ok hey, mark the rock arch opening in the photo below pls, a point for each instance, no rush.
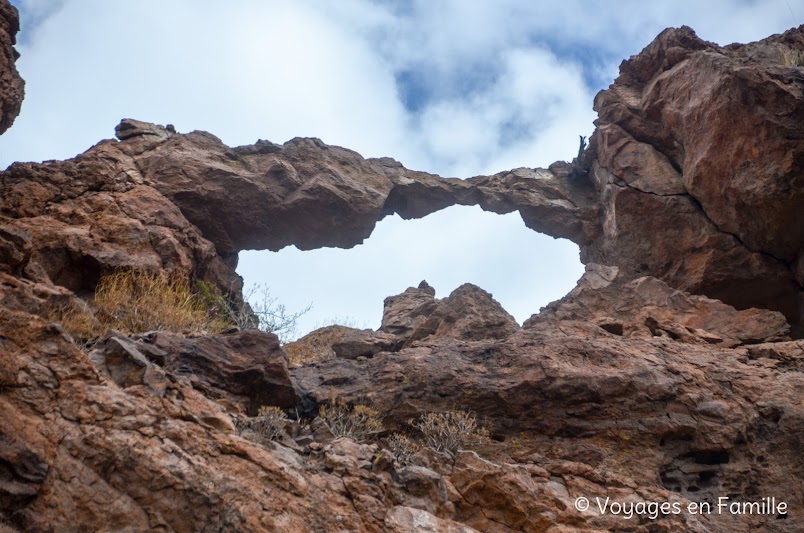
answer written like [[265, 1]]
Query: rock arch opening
[[523, 269]]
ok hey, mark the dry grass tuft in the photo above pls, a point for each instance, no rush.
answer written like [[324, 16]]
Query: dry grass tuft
[[790, 57], [77, 318], [133, 301]]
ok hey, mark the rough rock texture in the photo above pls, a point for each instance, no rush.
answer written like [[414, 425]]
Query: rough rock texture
[[12, 87], [244, 368], [405, 313], [72, 222], [630, 413], [649, 307], [468, 313], [672, 185], [630, 388], [306, 193], [700, 169]]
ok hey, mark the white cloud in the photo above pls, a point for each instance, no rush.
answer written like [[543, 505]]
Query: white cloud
[[242, 71], [496, 85]]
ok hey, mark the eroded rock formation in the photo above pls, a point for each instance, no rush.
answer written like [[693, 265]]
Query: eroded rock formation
[[631, 387], [700, 169], [672, 185], [12, 88]]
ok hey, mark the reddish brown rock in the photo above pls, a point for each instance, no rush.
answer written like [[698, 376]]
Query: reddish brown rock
[[309, 194], [630, 388], [649, 307], [363, 343], [667, 188], [72, 222], [700, 153], [405, 313], [402, 519], [652, 409], [468, 313], [12, 87], [15, 249], [246, 368], [642, 203]]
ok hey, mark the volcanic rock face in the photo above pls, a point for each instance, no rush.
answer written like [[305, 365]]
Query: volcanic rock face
[[700, 169], [672, 186], [648, 307], [468, 313], [11, 85], [72, 222], [631, 388]]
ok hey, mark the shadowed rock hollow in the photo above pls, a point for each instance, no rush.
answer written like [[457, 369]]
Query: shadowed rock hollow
[[670, 373]]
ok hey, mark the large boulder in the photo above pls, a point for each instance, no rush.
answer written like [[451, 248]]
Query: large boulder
[[700, 158], [248, 365]]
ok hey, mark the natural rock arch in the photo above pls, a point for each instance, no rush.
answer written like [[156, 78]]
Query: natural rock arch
[[523, 269]]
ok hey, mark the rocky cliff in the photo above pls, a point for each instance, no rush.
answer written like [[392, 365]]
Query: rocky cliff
[[11, 84], [671, 373]]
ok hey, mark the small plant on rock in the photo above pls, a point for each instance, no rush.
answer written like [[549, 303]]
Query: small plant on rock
[[257, 310], [358, 422], [450, 431], [403, 448], [267, 426], [135, 301]]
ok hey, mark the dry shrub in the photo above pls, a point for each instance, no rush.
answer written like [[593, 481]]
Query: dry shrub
[[256, 310], [358, 422], [790, 57], [267, 426], [77, 318], [134, 301], [403, 448], [449, 432]]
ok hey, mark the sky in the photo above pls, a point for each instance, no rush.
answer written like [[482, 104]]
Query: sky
[[446, 86]]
